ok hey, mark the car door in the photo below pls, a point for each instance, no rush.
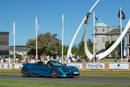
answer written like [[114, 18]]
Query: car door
[[43, 70]]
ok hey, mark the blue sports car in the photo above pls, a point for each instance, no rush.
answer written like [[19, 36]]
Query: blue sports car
[[52, 69]]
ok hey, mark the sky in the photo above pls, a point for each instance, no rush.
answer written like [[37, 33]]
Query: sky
[[49, 13]]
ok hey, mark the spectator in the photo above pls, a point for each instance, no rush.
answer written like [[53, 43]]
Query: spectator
[[40, 62], [45, 61], [2, 60], [81, 58], [116, 59], [9, 60], [78, 59], [87, 59], [69, 59], [19, 60], [33, 60], [73, 59], [129, 60]]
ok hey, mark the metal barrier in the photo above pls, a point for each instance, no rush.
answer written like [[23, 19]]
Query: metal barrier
[[82, 66]]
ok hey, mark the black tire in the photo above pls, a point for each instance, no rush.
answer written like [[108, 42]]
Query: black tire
[[71, 76], [54, 73], [25, 72]]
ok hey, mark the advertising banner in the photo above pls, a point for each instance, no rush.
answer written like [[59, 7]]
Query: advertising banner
[[79, 66], [95, 66], [17, 66], [118, 66], [6, 66]]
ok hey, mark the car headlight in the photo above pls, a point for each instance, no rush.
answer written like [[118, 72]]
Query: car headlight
[[65, 70]]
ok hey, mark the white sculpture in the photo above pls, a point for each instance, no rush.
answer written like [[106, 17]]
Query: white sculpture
[[87, 52], [71, 44], [108, 51]]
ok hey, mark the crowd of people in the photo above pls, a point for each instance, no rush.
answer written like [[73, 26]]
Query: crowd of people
[[45, 59]]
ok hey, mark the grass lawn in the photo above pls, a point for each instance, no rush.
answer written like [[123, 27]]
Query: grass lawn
[[106, 74], [21, 83], [9, 72]]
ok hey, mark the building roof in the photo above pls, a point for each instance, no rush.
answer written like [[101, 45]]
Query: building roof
[[101, 24], [115, 31]]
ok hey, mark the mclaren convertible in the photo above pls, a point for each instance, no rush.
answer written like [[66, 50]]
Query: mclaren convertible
[[52, 69]]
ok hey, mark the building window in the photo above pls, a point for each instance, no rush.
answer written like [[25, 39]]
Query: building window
[[129, 38], [103, 39], [103, 30], [110, 39], [95, 29]]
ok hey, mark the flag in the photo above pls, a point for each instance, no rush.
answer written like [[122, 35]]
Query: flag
[[97, 19], [121, 14]]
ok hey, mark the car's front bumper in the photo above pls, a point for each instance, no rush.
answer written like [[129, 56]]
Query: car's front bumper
[[70, 74]]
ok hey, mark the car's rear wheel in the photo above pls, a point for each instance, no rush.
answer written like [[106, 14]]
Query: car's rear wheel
[[54, 73], [25, 72]]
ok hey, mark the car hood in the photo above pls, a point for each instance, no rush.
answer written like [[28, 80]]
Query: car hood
[[70, 68]]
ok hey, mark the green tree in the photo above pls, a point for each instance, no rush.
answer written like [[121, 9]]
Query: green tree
[[90, 45], [48, 44], [80, 49], [107, 45], [60, 50]]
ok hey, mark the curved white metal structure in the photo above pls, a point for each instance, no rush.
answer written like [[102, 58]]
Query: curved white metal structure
[[87, 52], [109, 50], [69, 53]]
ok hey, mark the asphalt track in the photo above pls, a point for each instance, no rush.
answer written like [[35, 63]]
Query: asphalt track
[[77, 79]]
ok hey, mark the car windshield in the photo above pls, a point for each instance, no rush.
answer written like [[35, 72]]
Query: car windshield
[[56, 63]]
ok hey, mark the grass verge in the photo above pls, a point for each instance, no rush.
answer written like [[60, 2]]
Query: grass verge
[[9, 72], [21, 83], [106, 74]]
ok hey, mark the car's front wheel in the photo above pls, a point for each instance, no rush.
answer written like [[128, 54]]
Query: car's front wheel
[[54, 73], [25, 72]]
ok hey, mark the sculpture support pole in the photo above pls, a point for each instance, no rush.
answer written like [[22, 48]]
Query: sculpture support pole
[[62, 37], [14, 40], [120, 33], [36, 21], [94, 34]]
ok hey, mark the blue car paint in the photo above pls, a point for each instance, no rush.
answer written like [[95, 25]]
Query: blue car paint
[[71, 71], [45, 70]]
